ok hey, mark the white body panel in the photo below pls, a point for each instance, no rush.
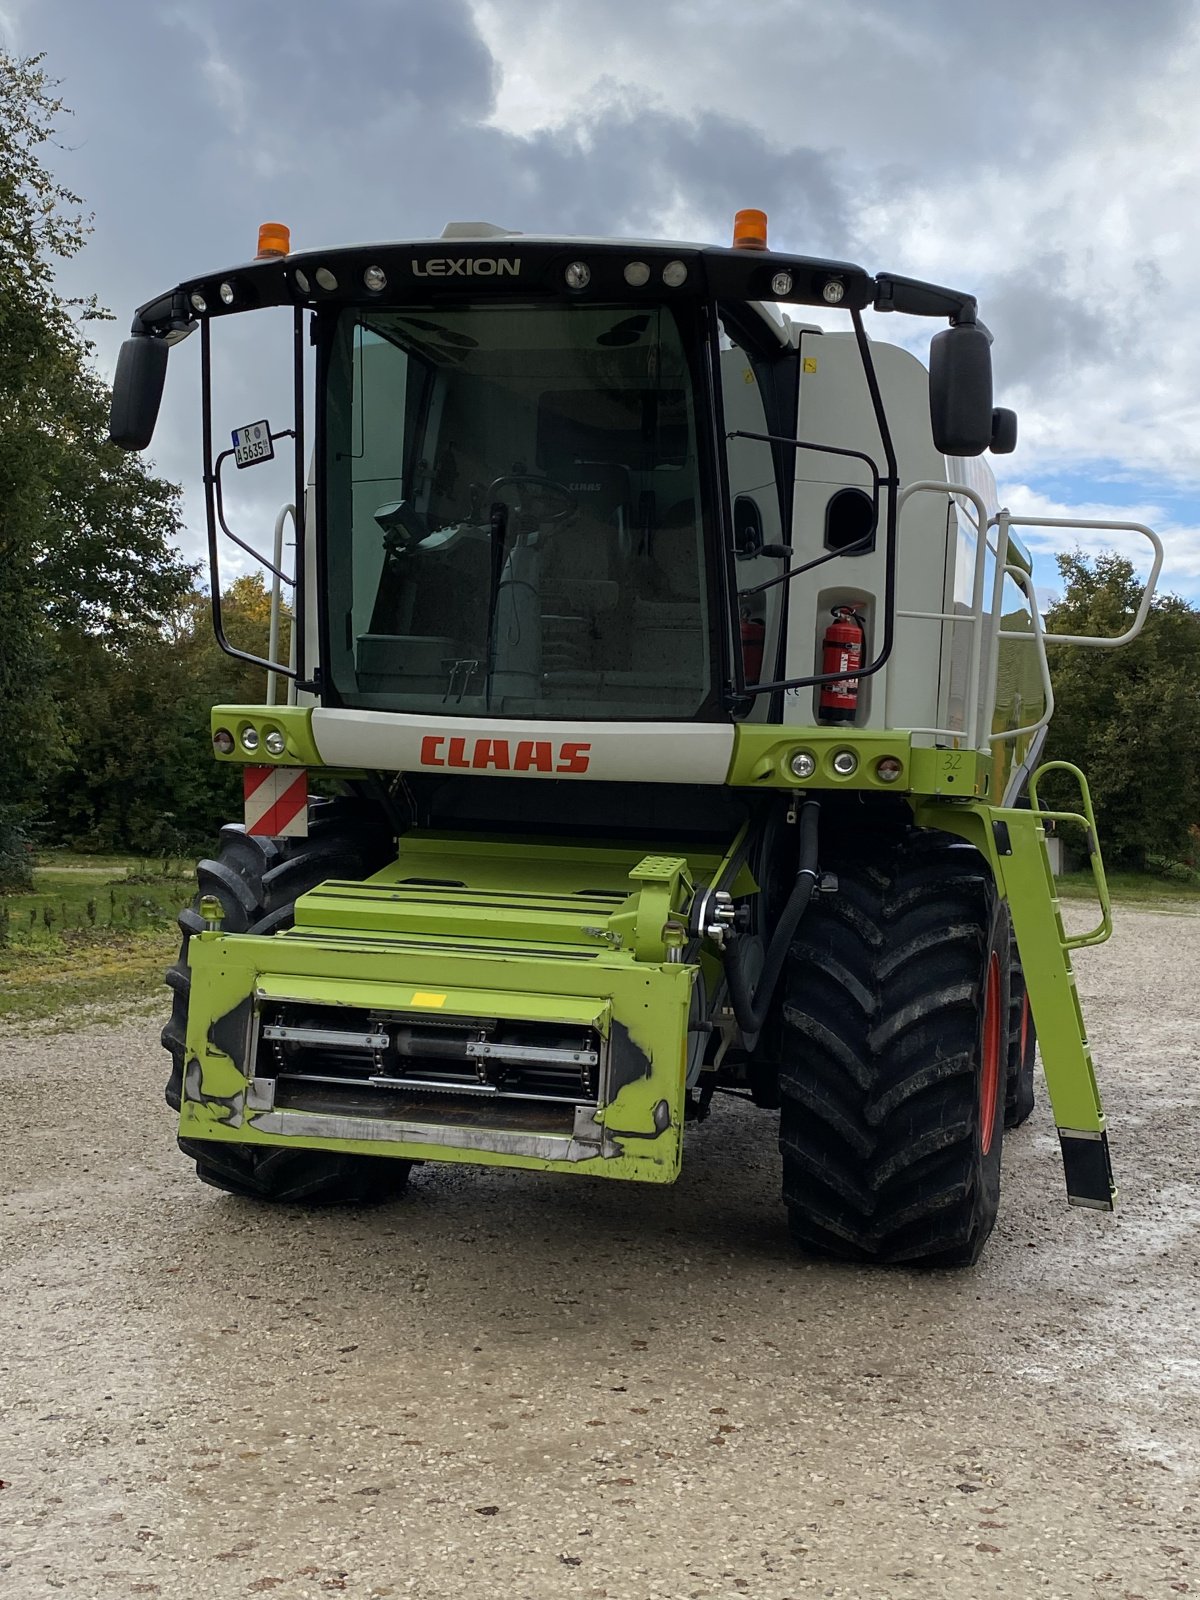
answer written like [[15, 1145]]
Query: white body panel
[[835, 409], [619, 752]]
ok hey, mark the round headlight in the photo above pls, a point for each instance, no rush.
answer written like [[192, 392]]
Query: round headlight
[[275, 742], [675, 274], [637, 273], [888, 769], [833, 291], [302, 282], [199, 303], [249, 738], [781, 283], [803, 764], [326, 279], [375, 278], [226, 293], [578, 275], [844, 763], [223, 741]]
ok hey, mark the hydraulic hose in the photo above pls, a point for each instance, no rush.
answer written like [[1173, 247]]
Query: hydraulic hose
[[751, 1010]]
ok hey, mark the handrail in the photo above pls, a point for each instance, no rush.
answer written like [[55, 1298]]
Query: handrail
[[974, 617], [1143, 610], [1025, 581], [277, 577], [1087, 821]]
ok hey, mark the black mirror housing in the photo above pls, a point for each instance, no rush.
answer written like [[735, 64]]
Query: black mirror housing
[[137, 391], [1004, 431], [960, 390]]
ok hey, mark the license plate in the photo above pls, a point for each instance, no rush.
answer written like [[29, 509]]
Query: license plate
[[252, 444]]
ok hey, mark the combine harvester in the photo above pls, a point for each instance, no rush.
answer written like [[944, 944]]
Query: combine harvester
[[684, 685]]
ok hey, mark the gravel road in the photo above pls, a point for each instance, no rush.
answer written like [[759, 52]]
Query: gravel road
[[508, 1385]]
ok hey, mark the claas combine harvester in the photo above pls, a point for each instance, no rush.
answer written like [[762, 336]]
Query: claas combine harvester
[[677, 687]]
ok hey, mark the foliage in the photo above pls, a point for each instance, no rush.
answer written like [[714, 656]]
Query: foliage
[[1130, 717], [88, 935], [141, 774], [86, 532]]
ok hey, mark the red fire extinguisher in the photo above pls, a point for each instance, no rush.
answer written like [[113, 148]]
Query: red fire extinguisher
[[754, 635], [842, 652]]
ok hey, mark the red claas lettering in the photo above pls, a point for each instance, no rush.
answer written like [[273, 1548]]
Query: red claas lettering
[[497, 755]]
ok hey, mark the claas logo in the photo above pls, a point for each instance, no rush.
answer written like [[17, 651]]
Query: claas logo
[[503, 755]]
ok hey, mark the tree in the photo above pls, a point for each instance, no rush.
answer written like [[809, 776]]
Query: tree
[[1130, 717], [86, 531], [140, 774]]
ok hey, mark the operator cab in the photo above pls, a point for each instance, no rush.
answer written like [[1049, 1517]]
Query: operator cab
[[554, 479], [513, 508]]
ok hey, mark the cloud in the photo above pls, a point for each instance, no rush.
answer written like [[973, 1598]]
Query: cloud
[[1041, 156], [1181, 541]]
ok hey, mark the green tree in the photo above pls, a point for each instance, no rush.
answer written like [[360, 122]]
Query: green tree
[[1130, 717], [86, 532], [140, 774]]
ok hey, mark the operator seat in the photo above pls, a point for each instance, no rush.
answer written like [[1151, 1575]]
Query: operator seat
[[585, 627], [668, 630]]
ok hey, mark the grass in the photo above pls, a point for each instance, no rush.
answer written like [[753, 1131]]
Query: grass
[[91, 938], [1140, 889]]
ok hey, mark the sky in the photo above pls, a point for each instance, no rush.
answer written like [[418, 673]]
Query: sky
[[1042, 156]]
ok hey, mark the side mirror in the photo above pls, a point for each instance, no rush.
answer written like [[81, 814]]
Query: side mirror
[[137, 391], [1004, 431], [960, 390], [747, 527]]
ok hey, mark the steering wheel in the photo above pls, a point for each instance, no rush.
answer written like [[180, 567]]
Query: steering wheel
[[537, 481]]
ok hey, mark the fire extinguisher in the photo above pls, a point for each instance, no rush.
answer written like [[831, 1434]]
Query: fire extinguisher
[[754, 635], [842, 652]]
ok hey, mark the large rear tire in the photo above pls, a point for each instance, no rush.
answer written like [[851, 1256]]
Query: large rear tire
[[895, 1030], [258, 882], [1022, 1048]]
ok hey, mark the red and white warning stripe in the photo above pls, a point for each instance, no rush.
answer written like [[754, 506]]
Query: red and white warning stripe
[[276, 801]]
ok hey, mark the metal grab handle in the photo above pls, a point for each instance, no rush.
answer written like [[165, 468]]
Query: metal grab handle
[[1024, 580], [1087, 821], [974, 618], [278, 577], [1143, 611]]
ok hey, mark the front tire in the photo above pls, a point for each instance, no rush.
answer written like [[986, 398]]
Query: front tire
[[258, 882], [895, 1028], [287, 1176]]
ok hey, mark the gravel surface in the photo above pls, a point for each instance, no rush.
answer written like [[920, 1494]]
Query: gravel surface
[[519, 1386]]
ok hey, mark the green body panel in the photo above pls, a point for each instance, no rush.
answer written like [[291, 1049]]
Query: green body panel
[[760, 759], [520, 931], [294, 722], [583, 934], [1014, 843]]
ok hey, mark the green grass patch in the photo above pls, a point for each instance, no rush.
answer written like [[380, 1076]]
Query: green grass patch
[[1145, 889], [93, 932], [87, 981]]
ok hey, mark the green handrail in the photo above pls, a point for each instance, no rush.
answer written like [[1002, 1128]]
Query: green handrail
[[1087, 822]]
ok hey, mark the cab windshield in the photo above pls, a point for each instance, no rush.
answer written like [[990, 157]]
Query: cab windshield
[[513, 520]]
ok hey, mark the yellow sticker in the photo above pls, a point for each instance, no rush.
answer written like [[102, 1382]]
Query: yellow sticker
[[432, 1000], [809, 364], [747, 376]]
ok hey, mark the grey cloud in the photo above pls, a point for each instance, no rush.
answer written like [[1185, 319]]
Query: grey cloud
[[1045, 331], [927, 83], [192, 126]]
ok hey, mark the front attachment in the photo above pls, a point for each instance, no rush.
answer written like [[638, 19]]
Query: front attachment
[[495, 1002]]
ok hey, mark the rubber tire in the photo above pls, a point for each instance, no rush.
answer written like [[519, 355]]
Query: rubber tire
[[1022, 1049], [258, 882], [888, 1153], [286, 1176]]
